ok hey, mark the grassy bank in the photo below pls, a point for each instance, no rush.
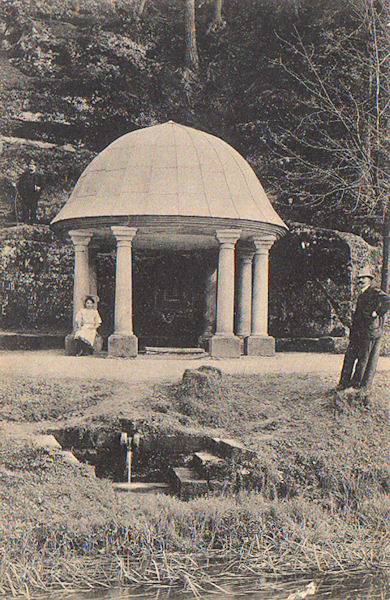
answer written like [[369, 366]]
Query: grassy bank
[[322, 503]]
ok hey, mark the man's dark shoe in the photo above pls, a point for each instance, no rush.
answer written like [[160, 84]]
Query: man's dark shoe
[[341, 386]]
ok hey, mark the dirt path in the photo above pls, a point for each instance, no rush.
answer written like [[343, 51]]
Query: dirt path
[[53, 363]]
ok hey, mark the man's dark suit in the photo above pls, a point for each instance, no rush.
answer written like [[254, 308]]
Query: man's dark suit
[[365, 339], [29, 186]]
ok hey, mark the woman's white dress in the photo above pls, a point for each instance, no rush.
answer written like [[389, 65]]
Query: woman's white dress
[[87, 320]]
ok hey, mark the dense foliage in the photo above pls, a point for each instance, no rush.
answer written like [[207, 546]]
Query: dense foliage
[[298, 87], [36, 289]]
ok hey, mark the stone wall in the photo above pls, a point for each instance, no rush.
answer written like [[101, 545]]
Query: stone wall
[[312, 285]]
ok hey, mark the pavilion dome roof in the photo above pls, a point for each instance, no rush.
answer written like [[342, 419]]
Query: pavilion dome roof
[[169, 170]]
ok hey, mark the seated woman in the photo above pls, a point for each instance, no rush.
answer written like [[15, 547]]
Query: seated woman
[[87, 321]]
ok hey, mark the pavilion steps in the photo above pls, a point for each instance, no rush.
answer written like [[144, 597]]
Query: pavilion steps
[[168, 351], [224, 466], [187, 483]]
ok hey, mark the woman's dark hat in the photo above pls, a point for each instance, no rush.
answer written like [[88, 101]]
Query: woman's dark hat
[[93, 297]]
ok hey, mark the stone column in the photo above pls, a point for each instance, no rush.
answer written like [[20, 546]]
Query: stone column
[[92, 272], [80, 241], [224, 343], [210, 306], [244, 300], [259, 342], [93, 287], [123, 342]]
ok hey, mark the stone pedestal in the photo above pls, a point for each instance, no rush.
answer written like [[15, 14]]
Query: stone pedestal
[[70, 348], [225, 346], [123, 345], [259, 345]]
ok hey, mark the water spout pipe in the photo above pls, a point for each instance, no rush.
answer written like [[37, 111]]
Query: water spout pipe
[[129, 459], [132, 444], [136, 440]]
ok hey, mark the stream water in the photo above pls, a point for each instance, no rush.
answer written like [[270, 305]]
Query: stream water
[[326, 587]]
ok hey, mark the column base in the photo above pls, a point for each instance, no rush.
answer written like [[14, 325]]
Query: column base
[[242, 337], [225, 346], [70, 348], [120, 344], [259, 345]]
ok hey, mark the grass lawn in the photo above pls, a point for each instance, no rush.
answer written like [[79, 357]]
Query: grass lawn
[[323, 506]]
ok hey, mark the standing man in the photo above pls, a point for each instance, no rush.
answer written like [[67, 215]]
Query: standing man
[[365, 336], [29, 186]]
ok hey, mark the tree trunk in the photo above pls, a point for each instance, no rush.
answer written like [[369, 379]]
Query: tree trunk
[[191, 59], [217, 8], [296, 7], [137, 7], [217, 21], [386, 249]]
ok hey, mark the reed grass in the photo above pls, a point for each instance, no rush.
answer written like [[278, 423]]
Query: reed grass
[[202, 543]]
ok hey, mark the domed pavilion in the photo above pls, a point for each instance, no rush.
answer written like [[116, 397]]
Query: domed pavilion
[[173, 190]]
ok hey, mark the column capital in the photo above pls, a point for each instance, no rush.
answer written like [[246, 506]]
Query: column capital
[[228, 237], [124, 234], [80, 237], [263, 243], [246, 255]]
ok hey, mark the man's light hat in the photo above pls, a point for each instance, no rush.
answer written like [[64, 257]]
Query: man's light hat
[[365, 272]]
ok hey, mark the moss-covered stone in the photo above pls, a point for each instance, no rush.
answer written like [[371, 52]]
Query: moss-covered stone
[[36, 283], [312, 281]]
